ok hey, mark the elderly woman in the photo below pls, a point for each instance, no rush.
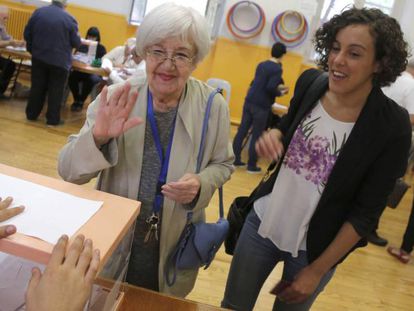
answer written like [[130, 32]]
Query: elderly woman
[[132, 161]]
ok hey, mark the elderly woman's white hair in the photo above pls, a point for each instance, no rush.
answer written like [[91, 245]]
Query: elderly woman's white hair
[[172, 20]]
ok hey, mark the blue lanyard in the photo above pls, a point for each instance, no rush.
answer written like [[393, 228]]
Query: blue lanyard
[[164, 159]]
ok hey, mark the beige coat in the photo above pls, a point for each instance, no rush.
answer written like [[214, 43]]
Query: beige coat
[[119, 164]]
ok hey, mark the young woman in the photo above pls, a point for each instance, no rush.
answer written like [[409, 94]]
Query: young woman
[[81, 83], [345, 147]]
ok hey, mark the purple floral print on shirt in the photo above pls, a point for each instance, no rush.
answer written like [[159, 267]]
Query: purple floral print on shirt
[[312, 157]]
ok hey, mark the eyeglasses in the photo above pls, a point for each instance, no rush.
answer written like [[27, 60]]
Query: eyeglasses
[[179, 59]]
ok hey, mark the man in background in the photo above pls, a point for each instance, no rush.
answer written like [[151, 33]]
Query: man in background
[[402, 92], [50, 34], [7, 66]]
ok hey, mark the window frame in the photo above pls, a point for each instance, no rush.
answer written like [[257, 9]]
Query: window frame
[[213, 13]]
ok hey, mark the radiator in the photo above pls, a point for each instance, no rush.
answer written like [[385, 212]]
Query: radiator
[[17, 21]]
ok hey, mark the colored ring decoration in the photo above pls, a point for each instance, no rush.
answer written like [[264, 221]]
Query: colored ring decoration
[[294, 31], [276, 28], [240, 33], [280, 35], [248, 5]]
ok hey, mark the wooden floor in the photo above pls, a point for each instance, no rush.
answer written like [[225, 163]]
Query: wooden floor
[[369, 280]]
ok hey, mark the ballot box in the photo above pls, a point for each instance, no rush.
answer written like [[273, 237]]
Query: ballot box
[[55, 207]]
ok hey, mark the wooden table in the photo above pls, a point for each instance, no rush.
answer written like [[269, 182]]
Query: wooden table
[[79, 66], [22, 56], [137, 298]]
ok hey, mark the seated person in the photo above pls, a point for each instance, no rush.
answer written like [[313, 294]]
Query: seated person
[[66, 283], [86, 80], [7, 66], [123, 62]]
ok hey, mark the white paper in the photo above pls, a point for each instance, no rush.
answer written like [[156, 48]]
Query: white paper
[[279, 106], [16, 48], [15, 275], [49, 213]]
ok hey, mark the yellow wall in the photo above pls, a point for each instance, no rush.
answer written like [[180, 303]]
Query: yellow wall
[[236, 62], [229, 60], [114, 28]]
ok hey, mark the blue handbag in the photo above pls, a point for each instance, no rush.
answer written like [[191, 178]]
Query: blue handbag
[[198, 243]]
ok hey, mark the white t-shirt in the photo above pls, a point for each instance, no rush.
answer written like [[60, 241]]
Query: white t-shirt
[[402, 91], [285, 213]]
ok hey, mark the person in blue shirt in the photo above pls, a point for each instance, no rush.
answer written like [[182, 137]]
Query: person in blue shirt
[[267, 84], [50, 35]]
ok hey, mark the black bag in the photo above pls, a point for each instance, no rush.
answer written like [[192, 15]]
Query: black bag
[[236, 216], [397, 193]]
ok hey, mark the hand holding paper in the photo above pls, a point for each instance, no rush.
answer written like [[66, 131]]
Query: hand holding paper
[[7, 213]]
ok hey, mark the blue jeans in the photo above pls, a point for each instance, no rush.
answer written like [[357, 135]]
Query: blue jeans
[[256, 119], [253, 261]]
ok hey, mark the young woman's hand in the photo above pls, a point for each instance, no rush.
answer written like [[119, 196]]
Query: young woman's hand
[[270, 145]]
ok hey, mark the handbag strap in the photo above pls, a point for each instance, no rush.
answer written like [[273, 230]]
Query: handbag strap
[[172, 262], [203, 142]]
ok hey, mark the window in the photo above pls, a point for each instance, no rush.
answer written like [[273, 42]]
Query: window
[[211, 9], [333, 7], [384, 5]]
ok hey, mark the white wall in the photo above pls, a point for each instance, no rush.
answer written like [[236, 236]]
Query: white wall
[[272, 8], [406, 21]]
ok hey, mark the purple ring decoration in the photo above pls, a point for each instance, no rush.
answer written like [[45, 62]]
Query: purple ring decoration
[[259, 10]]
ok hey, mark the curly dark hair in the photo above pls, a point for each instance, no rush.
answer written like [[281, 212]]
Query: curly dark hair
[[391, 50]]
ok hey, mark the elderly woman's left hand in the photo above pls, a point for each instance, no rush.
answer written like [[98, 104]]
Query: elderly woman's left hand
[[184, 190]]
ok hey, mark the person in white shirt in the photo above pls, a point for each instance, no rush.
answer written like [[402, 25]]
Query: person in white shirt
[[123, 62], [402, 90]]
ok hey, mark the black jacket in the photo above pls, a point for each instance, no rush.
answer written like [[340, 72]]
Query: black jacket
[[374, 156]]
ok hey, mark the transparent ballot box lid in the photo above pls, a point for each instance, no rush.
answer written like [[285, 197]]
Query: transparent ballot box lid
[[54, 207]]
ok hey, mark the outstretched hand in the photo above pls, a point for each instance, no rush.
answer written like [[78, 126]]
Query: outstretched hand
[[67, 281], [7, 213], [112, 118]]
